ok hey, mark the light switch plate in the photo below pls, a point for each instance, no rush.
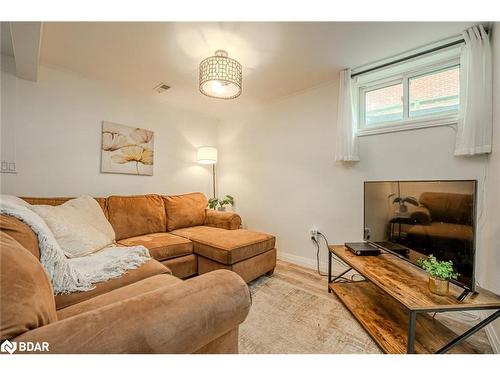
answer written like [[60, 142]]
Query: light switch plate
[[8, 167]]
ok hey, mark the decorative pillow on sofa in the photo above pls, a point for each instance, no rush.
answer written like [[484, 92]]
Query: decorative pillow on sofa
[[79, 226], [186, 210]]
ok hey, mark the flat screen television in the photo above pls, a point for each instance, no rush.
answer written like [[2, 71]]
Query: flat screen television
[[414, 219]]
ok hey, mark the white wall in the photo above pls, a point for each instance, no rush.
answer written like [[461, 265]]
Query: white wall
[[52, 130], [492, 278], [491, 257], [279, 164]]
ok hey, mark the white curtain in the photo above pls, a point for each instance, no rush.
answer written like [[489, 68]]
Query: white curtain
[[347, 124], [475, 124]]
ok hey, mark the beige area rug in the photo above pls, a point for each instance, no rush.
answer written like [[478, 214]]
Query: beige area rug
[[287, 319]]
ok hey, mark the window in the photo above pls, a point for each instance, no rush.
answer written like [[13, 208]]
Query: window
[[415, 95], [384, 104], [435, 93]]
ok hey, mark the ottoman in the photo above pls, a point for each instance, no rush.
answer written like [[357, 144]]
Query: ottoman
[[248, 253]]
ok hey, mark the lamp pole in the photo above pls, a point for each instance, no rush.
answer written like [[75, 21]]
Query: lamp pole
[[208, 155], [213, 177]]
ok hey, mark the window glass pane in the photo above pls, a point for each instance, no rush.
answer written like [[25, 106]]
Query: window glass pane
[[384, 104], [435, 93]]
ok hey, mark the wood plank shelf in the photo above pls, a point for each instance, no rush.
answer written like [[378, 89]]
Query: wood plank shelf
[[407, 283], [386, 320]]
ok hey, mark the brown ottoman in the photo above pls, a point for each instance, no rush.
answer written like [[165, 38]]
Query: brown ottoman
[[250, 254]]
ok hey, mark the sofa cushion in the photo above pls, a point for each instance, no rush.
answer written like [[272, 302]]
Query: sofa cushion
[[120, 294], [182, 267], [161, 246], [185, 210], [21, 232], [227, 246], [148, 269], [135, 215], [27, 299], [79, 226]]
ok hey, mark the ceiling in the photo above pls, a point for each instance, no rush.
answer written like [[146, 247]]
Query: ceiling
[[278, 58]]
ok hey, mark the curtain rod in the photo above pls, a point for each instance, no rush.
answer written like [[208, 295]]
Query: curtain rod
[[454, 43]]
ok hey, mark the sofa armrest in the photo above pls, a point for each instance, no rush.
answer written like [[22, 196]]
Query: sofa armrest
[[421, 216], [221, 219], [178, 319]]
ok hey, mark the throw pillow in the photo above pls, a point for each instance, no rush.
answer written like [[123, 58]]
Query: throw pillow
[[79, 226]]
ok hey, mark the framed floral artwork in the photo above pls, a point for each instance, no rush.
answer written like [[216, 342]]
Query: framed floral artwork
[[126, 150]]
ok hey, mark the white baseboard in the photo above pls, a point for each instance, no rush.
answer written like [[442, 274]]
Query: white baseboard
[[308, 262], [301, 261]]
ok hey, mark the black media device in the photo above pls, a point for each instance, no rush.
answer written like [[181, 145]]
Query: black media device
[[362, 248]]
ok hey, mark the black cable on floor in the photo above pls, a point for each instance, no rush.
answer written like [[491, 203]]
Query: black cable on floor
[[317, 257], [317, 261], [338, 260]]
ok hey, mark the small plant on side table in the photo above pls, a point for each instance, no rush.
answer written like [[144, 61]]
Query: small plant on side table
[[220, 204], [440, 272]]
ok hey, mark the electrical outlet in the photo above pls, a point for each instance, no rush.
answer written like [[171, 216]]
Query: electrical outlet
[[314, 234], [368, 233]]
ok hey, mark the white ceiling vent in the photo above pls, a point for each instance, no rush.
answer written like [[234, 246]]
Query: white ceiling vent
[[162, 87]]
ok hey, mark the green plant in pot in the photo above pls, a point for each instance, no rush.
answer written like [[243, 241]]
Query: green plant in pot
[[440, 273], [220, 204]]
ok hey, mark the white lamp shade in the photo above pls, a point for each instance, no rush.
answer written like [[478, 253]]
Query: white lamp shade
[[206, 155]]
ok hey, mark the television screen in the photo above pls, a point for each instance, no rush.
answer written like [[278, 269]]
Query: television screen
[[415, 219]]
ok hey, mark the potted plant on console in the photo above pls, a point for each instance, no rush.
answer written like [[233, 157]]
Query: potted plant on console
[[220, 204], [440, 272]]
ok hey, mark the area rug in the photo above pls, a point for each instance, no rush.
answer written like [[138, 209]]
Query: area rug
[[288, 319]]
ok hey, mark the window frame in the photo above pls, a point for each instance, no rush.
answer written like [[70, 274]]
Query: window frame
[[407, 123]]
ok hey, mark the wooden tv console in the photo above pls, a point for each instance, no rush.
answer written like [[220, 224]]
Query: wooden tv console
[[393, 304]]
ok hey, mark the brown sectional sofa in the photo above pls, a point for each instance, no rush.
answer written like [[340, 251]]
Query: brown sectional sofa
[[185, 236], [185, 239]]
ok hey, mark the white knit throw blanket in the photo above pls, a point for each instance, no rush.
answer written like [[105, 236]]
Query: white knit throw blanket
[[76, 274]]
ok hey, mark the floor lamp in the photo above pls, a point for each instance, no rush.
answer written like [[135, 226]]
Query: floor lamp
[[208, 155]]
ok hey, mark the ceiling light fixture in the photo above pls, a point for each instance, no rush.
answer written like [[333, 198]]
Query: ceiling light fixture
[[220, 76]]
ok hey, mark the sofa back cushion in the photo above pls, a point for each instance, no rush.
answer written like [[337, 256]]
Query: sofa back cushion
[[21, 232], [448, 207], [27, 300], [186, 210], [136, 215]]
